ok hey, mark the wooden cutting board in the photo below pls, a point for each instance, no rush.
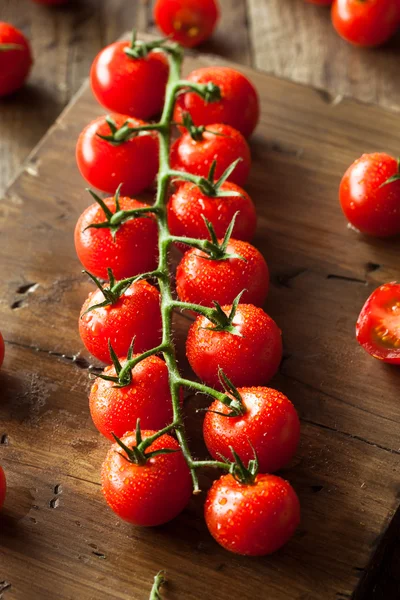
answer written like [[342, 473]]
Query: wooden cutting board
[[58, 537]]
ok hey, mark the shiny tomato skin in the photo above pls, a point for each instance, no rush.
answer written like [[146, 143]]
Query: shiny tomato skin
[[136, 314], [378, 326], [366, 22], [16, 64], [371, 208], [105, 166], [270, 425], [129, 86], [252, 520], [1, 349], [3, 487], [225, 146], [188, 203], [150, 494], [188, 22], [132, 251], [201, 280], [147, 397], [250, 359], [239, 106]]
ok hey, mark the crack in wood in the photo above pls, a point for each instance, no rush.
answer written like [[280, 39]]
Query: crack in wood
[[4, 586], [4, 440], [77, 360], [346, 278]]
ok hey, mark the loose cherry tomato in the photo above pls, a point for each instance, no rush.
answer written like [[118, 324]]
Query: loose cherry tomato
[[270, 425], [218, 142], [250, 358], [107, 163], [129, 86], [378, 326], [366, 22], [370, 202], [147, 397], [149, 494], [135, 315], [1, 349], [3, 487], [188, 204], [15, 59], [239, 106], [203, 280], [188, 22], [132, 251], [253, 519]]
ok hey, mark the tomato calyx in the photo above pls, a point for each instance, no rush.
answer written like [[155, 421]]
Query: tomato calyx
[[208, 185], [124, 374], [196, 132], [159, 581], [214, 249], [242, 474], [222, 321], [137, 454], [120, 135], [114, 220], [232, 398], [140, 49], [395, 177]]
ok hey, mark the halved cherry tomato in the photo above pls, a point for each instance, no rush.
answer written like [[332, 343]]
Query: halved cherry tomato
[[366, 22], [378, 326], [129, 86], [107, 164], [239, 106], [149, 494], [135, 315], [370, 194], [148, 398], [269, 426], [3, 487], [131, 252], [253, 519], [219, 142], [188, 22], [15, 59], [250, 358]]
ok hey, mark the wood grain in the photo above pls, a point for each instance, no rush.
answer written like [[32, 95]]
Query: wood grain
[[58, 538]]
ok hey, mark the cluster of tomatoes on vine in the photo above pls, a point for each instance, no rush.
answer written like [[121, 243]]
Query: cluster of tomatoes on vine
[[232, 346]]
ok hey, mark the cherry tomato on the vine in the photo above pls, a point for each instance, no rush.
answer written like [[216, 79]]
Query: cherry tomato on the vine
[[132, 251], [250, 358], [15, 59], [135, 315], [270, 426], [149, 494], [129, 86], [378, 326], [3, 487], [187, 205], [366, 22], [105, 164], [369, 200], [147, 397], [252, 519], [188, 22], [202, 280], [219, 142], [1, 349], [238, 107]]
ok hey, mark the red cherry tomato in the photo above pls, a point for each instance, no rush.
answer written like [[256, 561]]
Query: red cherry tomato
[[133, 250], [129, 86], [239, 106], [15, 59], [135, 315], [188, 22], [378, 326], [188, 204], [270, 425], [149, 494], [369, 205], [105, 164], [224, 146], [366, 22], [253, 519], [250, 358], [201, 280], [1, 349], [147, 397], [3, 487]]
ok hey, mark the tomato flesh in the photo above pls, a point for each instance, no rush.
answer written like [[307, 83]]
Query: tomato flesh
[[378, 326]]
